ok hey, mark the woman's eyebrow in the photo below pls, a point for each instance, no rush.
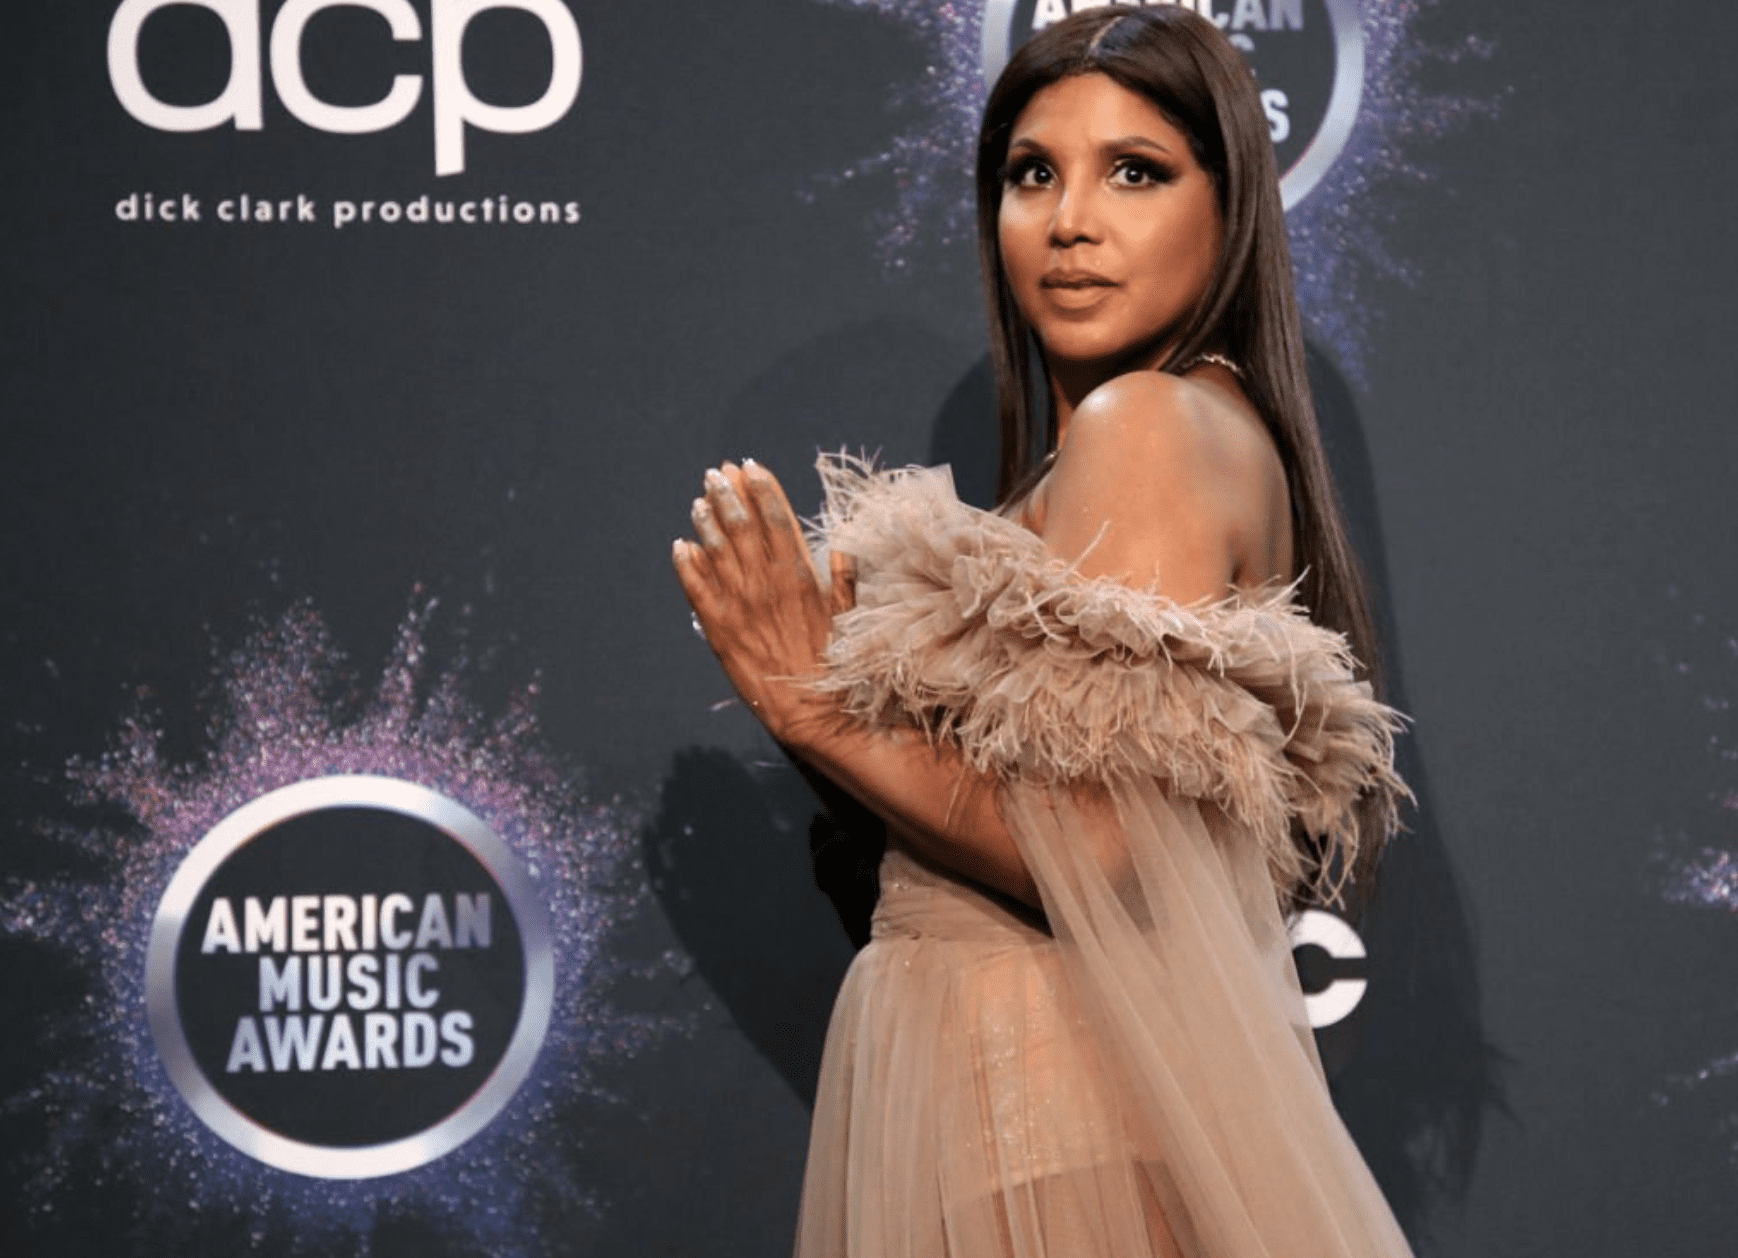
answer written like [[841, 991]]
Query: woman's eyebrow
[[1029, 145], [1137, 142]]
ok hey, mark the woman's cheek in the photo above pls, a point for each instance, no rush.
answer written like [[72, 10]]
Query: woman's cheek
[[1017, 227]]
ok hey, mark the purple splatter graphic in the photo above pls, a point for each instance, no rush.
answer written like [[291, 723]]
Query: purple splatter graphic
[[1338, 247], [930, 161], [1337, 232], [1697, 866], [1702, 873], [1709, 879], [290, 711]]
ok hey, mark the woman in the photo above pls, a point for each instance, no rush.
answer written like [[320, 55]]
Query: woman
[[1107, 743]]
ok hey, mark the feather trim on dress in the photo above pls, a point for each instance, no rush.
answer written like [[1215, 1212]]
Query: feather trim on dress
[[967, 628]]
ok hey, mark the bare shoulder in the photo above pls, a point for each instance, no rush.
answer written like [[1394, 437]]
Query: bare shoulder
[[1166, 480], [1148, 429]]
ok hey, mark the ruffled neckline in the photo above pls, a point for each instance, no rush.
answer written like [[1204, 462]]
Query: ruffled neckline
[[968, 628]]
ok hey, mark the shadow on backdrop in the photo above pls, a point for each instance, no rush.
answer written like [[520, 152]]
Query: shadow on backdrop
[[1410, 1069], [865, 386], [727, 857]]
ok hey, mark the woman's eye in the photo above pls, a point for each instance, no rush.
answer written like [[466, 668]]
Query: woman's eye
[[1134, 174], [1030, 174]]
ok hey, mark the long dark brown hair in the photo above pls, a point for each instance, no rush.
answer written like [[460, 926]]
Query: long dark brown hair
[[1191, 73]]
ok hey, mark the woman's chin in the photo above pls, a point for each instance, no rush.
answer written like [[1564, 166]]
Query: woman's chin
[[1104, 356]]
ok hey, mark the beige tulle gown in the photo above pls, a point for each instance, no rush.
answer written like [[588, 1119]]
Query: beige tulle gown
[[1132, 1072]]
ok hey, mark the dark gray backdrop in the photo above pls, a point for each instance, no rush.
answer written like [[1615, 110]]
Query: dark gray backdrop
[[206, 424]]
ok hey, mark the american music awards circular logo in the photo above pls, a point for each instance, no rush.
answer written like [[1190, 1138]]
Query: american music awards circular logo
[[349, 977], [1307, 54]]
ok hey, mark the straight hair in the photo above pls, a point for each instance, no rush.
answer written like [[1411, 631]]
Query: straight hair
[[1191, 73]]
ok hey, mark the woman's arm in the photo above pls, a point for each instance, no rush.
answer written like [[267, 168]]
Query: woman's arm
[[1132, 502], [759, 600]]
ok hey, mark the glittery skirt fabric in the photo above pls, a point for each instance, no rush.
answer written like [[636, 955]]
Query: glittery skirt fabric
[[1130, 1073]]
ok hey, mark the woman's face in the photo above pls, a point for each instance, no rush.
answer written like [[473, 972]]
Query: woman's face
[[1109, 227]]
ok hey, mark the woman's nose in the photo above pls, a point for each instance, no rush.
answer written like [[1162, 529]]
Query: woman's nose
[[1075, 220]]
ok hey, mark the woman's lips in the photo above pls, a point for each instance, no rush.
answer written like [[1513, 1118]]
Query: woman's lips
[[1076, 290]]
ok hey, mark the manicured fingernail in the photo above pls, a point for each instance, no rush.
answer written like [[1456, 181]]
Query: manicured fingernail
[[729, 504], [715, 479]]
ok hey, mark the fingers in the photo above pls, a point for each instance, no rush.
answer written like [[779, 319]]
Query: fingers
[[750, 559], [718, 623], [715, 545], [706, 528], [783, 536], [722, 493], [759, 529], [754, 589], [725, 495], [693, 570]]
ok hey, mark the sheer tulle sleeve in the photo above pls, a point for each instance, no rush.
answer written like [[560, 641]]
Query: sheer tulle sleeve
[[1151, 759]]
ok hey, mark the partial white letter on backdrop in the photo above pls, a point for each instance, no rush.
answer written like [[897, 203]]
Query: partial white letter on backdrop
[[389, 111], [454, 104], [240, 100]]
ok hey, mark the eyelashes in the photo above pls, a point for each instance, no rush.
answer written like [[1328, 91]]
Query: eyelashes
[[1126, 172], [1148, 170], [1015, 172]]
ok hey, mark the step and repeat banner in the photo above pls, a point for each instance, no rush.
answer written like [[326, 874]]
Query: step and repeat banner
[[384, 868]]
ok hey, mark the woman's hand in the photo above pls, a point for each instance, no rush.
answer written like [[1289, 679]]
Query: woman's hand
[[758, 598], [759, 601]]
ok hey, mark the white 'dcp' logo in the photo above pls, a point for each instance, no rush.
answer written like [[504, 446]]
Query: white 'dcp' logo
[[454, 104]]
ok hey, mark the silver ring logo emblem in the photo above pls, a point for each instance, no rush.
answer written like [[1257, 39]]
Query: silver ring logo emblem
[[177, 923]]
